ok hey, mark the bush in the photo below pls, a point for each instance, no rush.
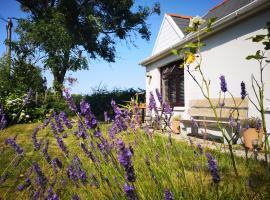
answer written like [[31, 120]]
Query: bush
[[100, 100]]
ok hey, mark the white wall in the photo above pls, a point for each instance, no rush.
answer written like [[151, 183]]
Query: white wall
[[169, 34], [225, 54]]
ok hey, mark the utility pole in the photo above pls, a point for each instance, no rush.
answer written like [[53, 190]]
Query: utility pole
[[8, 45]]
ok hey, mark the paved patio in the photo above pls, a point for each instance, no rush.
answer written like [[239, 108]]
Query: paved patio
[[238, 149]]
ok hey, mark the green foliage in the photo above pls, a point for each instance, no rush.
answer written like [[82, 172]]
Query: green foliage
[[100, 100], [180, 168], [62, 30]]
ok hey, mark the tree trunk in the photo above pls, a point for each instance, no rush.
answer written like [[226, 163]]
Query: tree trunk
[[59, 75], [58, 82]]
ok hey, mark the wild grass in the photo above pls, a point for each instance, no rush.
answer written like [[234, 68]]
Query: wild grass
[[175, 165]]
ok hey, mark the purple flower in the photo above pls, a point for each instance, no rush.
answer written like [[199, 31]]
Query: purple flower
[[65, 120], [152, 103], [85, 107], [243, 90], [116, 108], [159, 96], [75, 197], [59, 125], [119, 123], [75, 172], [41, 178], [91, 121], [51, 195], [231, 120], [191, 142], [53, 128], [223, 84], [61, 145], [97, 133], [87, 152], [70, 101], [167, 109], [199, 146], [34, 139], [56, 163], [168, 195], [212, 166], [124, 157], [27, 181], [130, 192], [14, 145], [46, 122], [81, 130], [45, 151]]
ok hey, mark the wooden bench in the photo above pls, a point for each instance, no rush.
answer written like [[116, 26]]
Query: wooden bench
[[202, 114]]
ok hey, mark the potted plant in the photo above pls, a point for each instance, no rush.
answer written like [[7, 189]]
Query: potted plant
[[176, 124], [253, 133]]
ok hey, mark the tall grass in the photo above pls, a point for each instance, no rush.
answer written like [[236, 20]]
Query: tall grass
[[159, 164]]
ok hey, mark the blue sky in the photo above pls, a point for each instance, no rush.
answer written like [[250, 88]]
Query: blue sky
[[125, 72]]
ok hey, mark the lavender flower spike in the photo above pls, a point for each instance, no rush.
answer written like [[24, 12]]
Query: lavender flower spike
[[41, 179], [65, 120], [212, 165], [70, 101], [85, 107], [223, 84], [34, 139], [159, 96], [130, 192], [15, 146], [168, 195], [152, 102], [124, 157], [243, 90]]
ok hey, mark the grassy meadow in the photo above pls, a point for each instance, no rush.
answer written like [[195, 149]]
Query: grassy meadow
[[158, 163]]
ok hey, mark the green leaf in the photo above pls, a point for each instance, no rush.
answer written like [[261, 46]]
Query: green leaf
[[210, 22], [257, 56], [175, 52], [258, 38]]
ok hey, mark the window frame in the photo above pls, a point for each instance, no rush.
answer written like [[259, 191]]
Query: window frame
[[177, 74]]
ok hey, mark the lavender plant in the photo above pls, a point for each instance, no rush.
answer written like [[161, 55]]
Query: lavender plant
[[192, 56], [258, 85]]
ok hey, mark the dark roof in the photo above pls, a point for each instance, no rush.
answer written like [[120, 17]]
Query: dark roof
[[225, 8], [182, 23], [221, 10]]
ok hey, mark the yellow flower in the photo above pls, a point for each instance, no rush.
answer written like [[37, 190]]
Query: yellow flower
[[190, 58]]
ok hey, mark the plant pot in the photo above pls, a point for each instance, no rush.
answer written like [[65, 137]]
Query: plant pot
[[252, 134], [176, 126]]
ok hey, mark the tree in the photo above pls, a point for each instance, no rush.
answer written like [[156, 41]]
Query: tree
[[64, 29], [24, 72]]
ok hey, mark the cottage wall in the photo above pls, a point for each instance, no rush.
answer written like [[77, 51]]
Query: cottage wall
[[224, 54]]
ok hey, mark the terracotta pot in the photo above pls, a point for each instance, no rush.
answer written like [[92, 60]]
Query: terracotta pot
[[251, 134], [176, 126]]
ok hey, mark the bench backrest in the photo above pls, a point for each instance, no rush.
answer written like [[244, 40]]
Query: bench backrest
[[200, 108]]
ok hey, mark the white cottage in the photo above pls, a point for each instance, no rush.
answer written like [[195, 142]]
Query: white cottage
[[224, 54]]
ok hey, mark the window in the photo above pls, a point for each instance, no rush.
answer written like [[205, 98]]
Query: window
[[172, 84]]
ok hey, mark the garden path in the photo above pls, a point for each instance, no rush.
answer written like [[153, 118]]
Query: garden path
[[238, 150]]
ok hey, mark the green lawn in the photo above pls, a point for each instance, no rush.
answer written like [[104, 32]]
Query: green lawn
[[181, 169]]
